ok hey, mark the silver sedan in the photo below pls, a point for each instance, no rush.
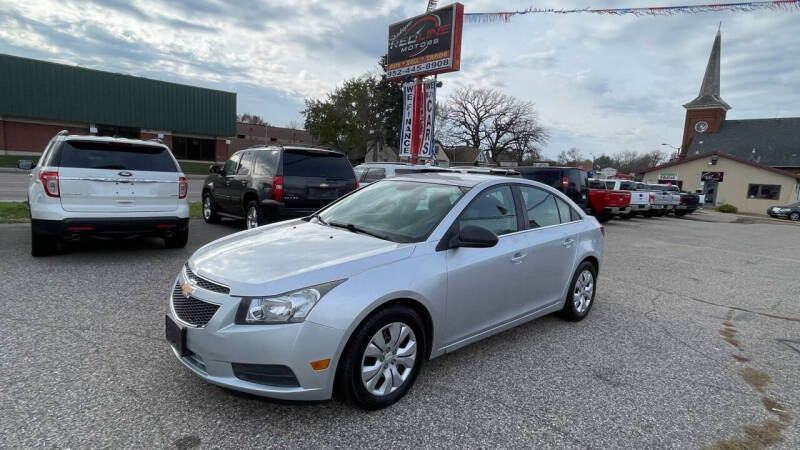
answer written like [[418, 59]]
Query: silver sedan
[[356, 297]]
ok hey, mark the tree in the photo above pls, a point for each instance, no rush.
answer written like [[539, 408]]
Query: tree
[[631, 161], [251, 118], [570, 157], [491, 121], [363, 112], [294, 125]]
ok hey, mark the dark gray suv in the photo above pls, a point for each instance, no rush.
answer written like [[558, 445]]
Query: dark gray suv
[[265, 184]]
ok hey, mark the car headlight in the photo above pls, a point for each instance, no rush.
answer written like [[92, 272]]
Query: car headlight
[[292, 306], [784, 210]]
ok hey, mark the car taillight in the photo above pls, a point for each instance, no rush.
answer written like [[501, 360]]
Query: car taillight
[[50, 183], [183, 187], [564, 182], [277, 188], [603, 230], [356, 184], [681, 199], [652, 198]]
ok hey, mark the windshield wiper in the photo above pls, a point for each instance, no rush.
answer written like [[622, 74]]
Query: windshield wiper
[[319, 219], [355, 229]]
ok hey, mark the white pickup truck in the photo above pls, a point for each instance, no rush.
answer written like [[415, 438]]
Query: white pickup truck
[[640, 200], [666, 198]]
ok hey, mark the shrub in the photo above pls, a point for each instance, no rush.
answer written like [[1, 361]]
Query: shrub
[[727, 208]]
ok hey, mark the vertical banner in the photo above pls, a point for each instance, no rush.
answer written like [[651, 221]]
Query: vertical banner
[[428, 118], [408, 115]]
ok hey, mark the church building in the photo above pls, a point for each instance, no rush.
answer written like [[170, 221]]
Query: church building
[[752, 164]]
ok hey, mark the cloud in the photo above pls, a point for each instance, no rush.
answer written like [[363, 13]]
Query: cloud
[[600, 83]]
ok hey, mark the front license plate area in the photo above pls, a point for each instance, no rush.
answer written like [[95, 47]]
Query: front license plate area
[[176, 336]]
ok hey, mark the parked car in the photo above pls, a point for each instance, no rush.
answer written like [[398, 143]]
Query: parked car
[[404, 270], [641, 201], [666, 199], [369, 173], [104, 187], [270, 183], [606, 203], [688, 203], [791, 212], [572, 181]]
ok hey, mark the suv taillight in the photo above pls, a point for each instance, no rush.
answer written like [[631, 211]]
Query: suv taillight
[[183, 187], [277, 188], [50, 183], [356, 184], [564, 182]]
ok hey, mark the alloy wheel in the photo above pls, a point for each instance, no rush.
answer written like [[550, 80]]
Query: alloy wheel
[[795, 216], [207, 207], [582, 294], [389, 358], [252, 218]]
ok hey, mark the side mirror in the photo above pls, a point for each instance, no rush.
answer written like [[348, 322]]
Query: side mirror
[[476, 237], [25, 164], [215, 169]]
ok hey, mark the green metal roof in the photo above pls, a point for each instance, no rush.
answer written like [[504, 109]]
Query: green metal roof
[[42, 90]]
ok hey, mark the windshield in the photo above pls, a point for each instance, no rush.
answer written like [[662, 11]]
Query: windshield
[[399, 211]]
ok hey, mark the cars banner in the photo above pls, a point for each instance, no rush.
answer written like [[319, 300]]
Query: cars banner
[[426, 117]]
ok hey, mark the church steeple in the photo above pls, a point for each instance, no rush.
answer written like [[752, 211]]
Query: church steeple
[[709, 96], [707, 112]]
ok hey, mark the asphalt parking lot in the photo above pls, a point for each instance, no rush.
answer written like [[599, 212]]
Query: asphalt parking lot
[[694, 334]]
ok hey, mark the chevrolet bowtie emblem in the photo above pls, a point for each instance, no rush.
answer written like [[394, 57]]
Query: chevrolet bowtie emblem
[[187, 289], [323, 185]]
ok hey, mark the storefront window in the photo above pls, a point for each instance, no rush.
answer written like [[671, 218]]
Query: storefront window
[[765, 191]]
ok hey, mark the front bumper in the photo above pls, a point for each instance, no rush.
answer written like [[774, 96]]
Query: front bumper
[[110, 227], [221, 343], [776, 213]]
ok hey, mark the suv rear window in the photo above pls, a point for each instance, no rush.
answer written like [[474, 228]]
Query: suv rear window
[[305, 163], [548, 177], [115, 156]]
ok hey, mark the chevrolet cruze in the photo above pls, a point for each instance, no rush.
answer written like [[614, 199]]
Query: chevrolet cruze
[[355, 297]]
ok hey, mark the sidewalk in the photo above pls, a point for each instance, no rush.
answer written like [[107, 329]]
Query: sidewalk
[[709, 215]]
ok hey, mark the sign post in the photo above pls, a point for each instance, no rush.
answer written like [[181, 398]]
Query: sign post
[[427, 44]]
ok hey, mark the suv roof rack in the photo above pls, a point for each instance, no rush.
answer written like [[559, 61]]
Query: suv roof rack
[[63, 133], [156, 140]]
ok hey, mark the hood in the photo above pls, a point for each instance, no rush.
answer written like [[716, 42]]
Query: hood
[[290, 255]]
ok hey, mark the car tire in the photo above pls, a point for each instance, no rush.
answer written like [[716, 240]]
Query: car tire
[[626, 216], [795, 216], [253, 217], [43, 245], [680, 213], [602, 218], [579, 301], [362, 352], [210, 209], [177, 240]]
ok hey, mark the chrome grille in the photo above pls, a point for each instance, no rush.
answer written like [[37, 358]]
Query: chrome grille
[[191, 310], [205, 284]]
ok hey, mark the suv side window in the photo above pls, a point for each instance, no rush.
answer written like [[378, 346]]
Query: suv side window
[[541, 207], [492, 209], [375, 174], [246, 166], [231, 165], [577, 179], [266, 162]]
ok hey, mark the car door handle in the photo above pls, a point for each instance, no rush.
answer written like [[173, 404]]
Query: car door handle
[[518, 257], [568, 242]]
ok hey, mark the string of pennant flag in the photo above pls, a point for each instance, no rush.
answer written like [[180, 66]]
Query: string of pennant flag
[[505, 16]]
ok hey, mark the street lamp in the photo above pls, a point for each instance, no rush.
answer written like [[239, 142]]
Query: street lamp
[[672, 146]]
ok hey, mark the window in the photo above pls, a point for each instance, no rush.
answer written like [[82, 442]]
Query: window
[[400, 211], [566, 212], [597, 184], [232, 164], [116, 156], [492, 209], [247, 164], [316, 163], [375, 174], [576, 179], [266, 162], [764, 191], [627, 186], [541, 207], [548, 177], [406, 171]]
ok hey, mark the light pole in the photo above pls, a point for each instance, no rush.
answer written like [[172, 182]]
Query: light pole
[[677, 149]]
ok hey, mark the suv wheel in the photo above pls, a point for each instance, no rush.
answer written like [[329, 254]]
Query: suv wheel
[[177, 240], [580, 297], [383, 358], [42, 244], [209, 209], [253, 217]]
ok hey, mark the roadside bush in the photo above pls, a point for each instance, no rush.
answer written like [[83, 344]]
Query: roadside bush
[[727, 208]]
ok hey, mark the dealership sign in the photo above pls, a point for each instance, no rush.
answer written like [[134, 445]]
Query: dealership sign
[[425, 100], [426, 44], [712, 176]]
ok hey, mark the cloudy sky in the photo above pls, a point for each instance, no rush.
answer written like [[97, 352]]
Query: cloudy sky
[[600, 83]]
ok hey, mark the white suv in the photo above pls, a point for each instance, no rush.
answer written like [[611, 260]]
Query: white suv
[[92, 186]]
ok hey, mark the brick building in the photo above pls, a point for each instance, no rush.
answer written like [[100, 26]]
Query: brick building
[[253, 135], [38, 99]]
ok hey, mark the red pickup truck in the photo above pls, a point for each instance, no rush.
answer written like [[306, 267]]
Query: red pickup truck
[[606, 203]]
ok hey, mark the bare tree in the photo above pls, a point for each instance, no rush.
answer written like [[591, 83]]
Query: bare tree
[[491, 121], [570, 157], [294, 125], [254, 119]]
